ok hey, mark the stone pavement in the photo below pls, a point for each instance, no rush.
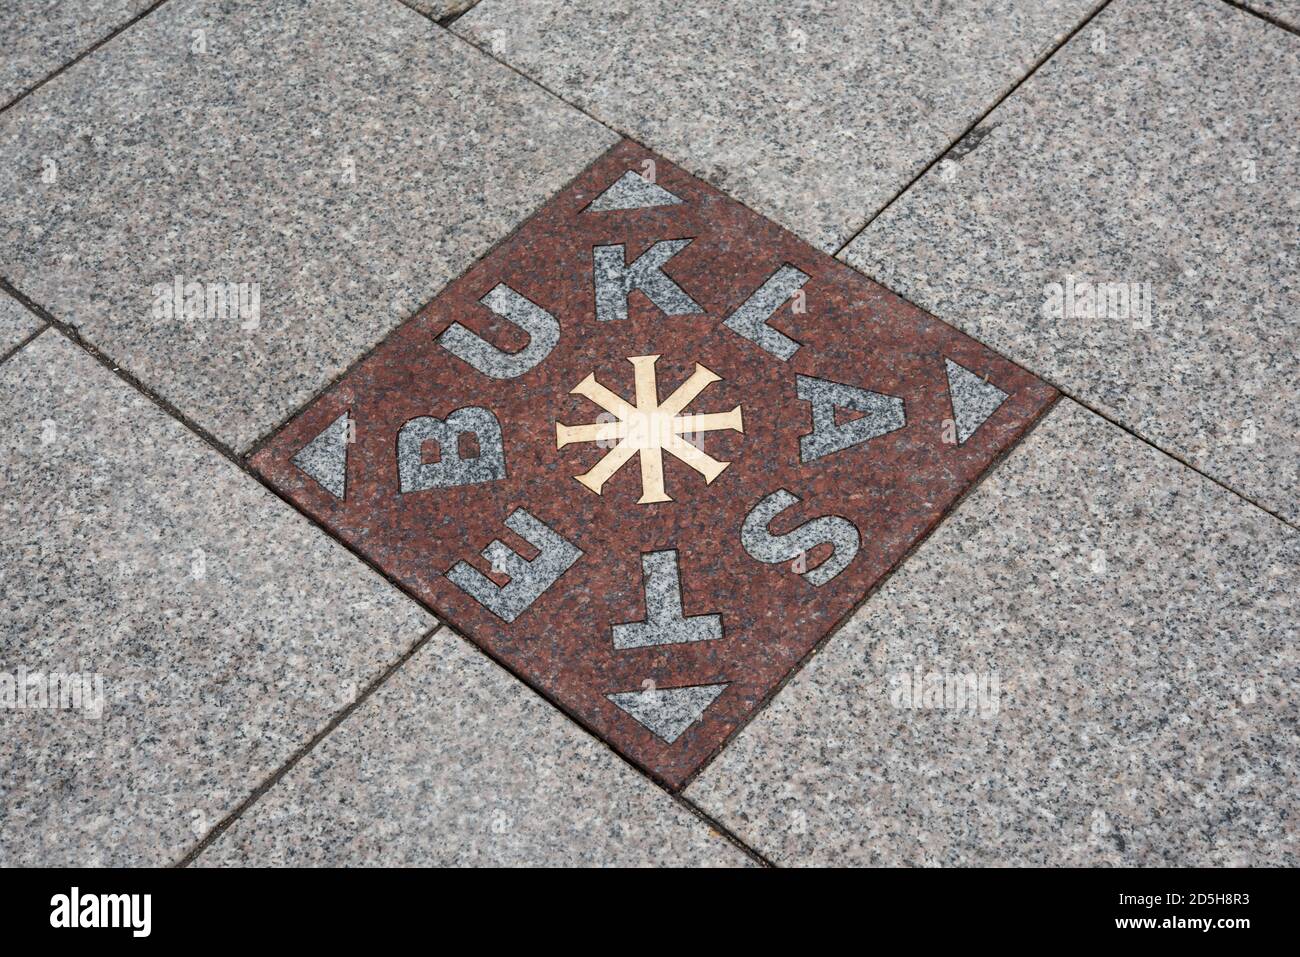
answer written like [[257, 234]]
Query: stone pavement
[[555, 433]]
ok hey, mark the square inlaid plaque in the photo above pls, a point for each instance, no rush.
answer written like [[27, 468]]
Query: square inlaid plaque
[[650, 451]]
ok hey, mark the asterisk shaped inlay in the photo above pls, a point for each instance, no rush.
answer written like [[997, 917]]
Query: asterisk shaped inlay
[[649, 429]]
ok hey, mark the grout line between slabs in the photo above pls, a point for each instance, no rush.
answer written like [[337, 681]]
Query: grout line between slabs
[[1266, 17], [452, 18], [971, 128], [589, 115], [275, 776], [705, 818], [1101, 414], [72, 334], [10, 353], [447, 20], [1015, 86], [81, 56]]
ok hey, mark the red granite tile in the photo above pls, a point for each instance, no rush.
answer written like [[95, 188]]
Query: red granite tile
[[888, 490]]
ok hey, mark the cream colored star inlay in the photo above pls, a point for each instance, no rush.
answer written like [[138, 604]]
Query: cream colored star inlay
[[649, 429]]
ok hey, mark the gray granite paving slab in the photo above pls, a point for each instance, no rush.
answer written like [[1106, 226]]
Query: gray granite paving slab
[[342, 160], [1143, 628], [16, 322], [814, 113], [221, 628], [1156, 149], [454, 762], [39, 36]]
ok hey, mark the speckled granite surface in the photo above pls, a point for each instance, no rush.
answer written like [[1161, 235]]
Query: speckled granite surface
[[1144, 628], [1156, 148], [1284, 11], [813, 113], [16, 322], [454, 762], [39, 36], [348, 158], [226, 630], [440, 9]]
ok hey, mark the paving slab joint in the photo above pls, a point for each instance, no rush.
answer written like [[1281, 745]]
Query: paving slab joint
[[81, 56], [274, 778], [969, 138]]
